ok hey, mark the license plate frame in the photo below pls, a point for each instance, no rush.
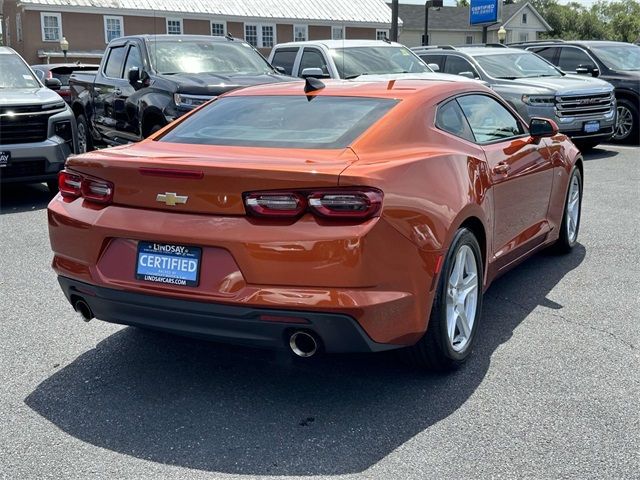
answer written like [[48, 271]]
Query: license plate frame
[[169, 269], [5, 158], [591, 127]]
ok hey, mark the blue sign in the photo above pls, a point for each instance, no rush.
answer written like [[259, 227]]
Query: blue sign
[[483, 11]]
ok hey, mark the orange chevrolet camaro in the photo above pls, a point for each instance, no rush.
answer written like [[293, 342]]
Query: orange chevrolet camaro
[[338, 216]]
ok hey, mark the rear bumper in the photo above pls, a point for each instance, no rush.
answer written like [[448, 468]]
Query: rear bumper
[[224, 323]]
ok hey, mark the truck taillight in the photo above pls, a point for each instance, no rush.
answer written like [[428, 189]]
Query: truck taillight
[[355, 203], [72, 185]]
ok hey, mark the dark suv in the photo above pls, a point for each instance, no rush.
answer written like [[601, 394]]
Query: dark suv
[[616, 62]]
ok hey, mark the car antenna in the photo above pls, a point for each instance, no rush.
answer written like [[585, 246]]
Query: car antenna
[[385, 39]]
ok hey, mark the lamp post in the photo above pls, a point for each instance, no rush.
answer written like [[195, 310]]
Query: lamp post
[[64, 46], [427, 5], [502, 34]]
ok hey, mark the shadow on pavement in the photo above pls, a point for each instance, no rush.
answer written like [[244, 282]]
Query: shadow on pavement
[[196, 404], [15, 198]]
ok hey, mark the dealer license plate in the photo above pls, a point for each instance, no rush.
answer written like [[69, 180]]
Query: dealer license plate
[[5, 158], [591, 127], [169, 264]]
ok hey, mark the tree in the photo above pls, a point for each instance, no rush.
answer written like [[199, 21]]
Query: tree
[[462, 3]]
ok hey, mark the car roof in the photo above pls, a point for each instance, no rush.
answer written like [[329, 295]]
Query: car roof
[[7, 51], [51, 66], [393, 88], [341, 43], [478, 51], [152, 36]]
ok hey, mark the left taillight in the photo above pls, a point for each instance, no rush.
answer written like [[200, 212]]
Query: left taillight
[[72, 185]]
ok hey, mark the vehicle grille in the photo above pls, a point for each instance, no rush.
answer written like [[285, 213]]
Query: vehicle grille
[[29, 168], [23, 128], [584, 105]]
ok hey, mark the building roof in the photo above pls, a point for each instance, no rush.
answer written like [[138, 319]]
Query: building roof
[[347, 11], [455, 18]]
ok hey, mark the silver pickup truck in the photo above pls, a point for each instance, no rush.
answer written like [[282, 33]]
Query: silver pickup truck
[[583, 107], [37, 128]]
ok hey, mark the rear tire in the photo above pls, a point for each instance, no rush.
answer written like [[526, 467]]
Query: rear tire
[[449, 339], [572, 214], [85, 143]]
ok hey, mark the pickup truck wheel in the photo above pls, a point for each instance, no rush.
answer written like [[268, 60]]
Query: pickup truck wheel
[[52, 185], [628, 122], [84, 137], [455, 314]]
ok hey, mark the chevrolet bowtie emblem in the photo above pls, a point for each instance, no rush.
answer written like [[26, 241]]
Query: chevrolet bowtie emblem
[[171, 199]]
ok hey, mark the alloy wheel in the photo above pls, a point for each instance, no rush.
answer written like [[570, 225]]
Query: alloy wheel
[[624, 123], [462, 299], [573, 209], [82, 138]]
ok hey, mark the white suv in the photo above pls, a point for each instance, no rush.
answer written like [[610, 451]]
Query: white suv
[[346, 59]]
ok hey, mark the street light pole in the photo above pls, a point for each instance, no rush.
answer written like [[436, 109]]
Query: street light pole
[[394, 21]]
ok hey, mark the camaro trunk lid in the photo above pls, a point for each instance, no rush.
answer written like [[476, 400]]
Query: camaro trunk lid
[[204, 178]]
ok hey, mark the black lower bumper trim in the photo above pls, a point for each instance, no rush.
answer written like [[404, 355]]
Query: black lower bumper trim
[[224, 323]]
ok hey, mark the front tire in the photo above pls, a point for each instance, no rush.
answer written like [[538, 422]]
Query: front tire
[[455, 314], [627, 128], [85, 143], [572, 214]]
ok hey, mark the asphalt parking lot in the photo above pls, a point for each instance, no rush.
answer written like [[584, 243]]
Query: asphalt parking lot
[[551, 391]]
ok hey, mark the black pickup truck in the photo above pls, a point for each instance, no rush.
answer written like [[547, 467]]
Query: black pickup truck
[[146, 81]]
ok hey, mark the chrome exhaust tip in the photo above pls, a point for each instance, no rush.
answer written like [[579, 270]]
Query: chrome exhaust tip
[[83, 309], [303, 344]]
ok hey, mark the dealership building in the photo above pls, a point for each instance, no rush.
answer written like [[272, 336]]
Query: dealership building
[[35, 27]]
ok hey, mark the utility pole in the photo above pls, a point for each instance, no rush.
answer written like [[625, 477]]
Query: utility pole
[[394, 21], [427, 5]]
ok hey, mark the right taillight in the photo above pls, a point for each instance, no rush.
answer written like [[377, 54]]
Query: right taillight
[[355, 203], [72, 185]]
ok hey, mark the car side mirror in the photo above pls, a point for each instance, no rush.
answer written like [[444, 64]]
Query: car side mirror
[[542, 127], [53, 83], [280, 69], [434, 66], [588, 70], [134, 75], [467, 75], [313, 72]]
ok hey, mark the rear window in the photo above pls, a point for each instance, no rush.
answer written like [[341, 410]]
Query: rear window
[[64, 73], [281, 121]]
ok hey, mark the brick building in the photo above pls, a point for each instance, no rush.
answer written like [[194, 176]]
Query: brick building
[[35, 27]]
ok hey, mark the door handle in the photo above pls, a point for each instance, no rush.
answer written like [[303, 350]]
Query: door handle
[[501, 168], [117, 91]]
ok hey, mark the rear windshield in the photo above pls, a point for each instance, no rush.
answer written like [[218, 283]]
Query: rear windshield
[[281, 121]]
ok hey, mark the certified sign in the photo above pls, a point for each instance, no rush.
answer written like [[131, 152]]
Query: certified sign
[[483, 11]]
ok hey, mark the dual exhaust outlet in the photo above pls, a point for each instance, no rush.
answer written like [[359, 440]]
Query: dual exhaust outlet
[[303, 344]]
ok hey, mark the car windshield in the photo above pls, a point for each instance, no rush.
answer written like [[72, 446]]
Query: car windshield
[[517, 65], [14, 73], [355, 61], [203, 56], [619, 57], [281, 121]]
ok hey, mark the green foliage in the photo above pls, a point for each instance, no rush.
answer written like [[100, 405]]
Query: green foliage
[[606, 20], [462, 3]]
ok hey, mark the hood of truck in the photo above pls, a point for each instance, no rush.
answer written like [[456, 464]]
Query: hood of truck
[[28, 96], [566, 85], [217, 84]]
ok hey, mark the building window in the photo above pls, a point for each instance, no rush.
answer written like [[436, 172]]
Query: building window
[[300, 33], [218, 29], [51, 26], [260, 35], [174, 26], [524, 37], [113, 28], [469, 40], [524, 18], [337, 33], [382, 34]]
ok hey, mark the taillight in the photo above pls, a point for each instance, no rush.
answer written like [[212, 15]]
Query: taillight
[[346, 204], [357, 203], [72, 185], [69, 184], [275, 204]]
